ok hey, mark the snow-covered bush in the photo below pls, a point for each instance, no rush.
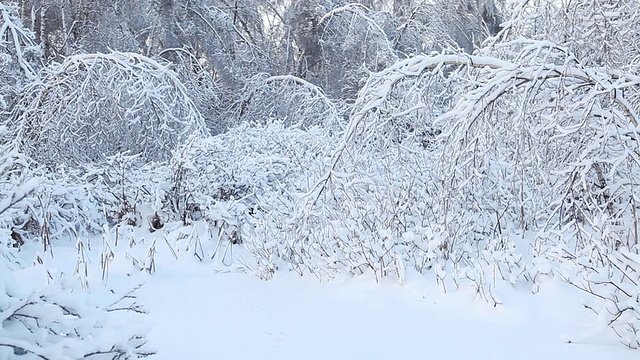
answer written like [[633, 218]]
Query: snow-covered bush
[[368, 207], [17, 182], [617, 296], [614, 286], [63, 207], [128, 189], [54, 321], [247, 169], [57, 323], [92, 106], [504, 153], [71, 204]]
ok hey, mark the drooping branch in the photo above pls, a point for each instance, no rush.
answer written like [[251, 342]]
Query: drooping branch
[[285, 98], [496, 77]]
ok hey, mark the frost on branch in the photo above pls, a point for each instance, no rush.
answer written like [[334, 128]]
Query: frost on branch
[[96, 105]]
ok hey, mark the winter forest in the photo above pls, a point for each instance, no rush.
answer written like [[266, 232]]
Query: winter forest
[[485, 146]]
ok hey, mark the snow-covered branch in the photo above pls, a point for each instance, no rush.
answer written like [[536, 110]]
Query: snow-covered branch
[[57, 323], [500, 78], [15, 36]]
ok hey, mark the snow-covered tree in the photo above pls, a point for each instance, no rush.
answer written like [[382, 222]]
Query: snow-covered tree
[[465, 24], [536, 142], [18, 57], [351, 43], [286, 98], [530, 141], [218, 46], [598, 33], [95, 105], [65, 27]]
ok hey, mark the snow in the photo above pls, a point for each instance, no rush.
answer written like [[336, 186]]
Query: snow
[[506, 175], [200, 314], [206, 310]]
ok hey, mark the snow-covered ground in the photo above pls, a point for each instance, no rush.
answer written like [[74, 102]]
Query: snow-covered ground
[[199, 314]]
